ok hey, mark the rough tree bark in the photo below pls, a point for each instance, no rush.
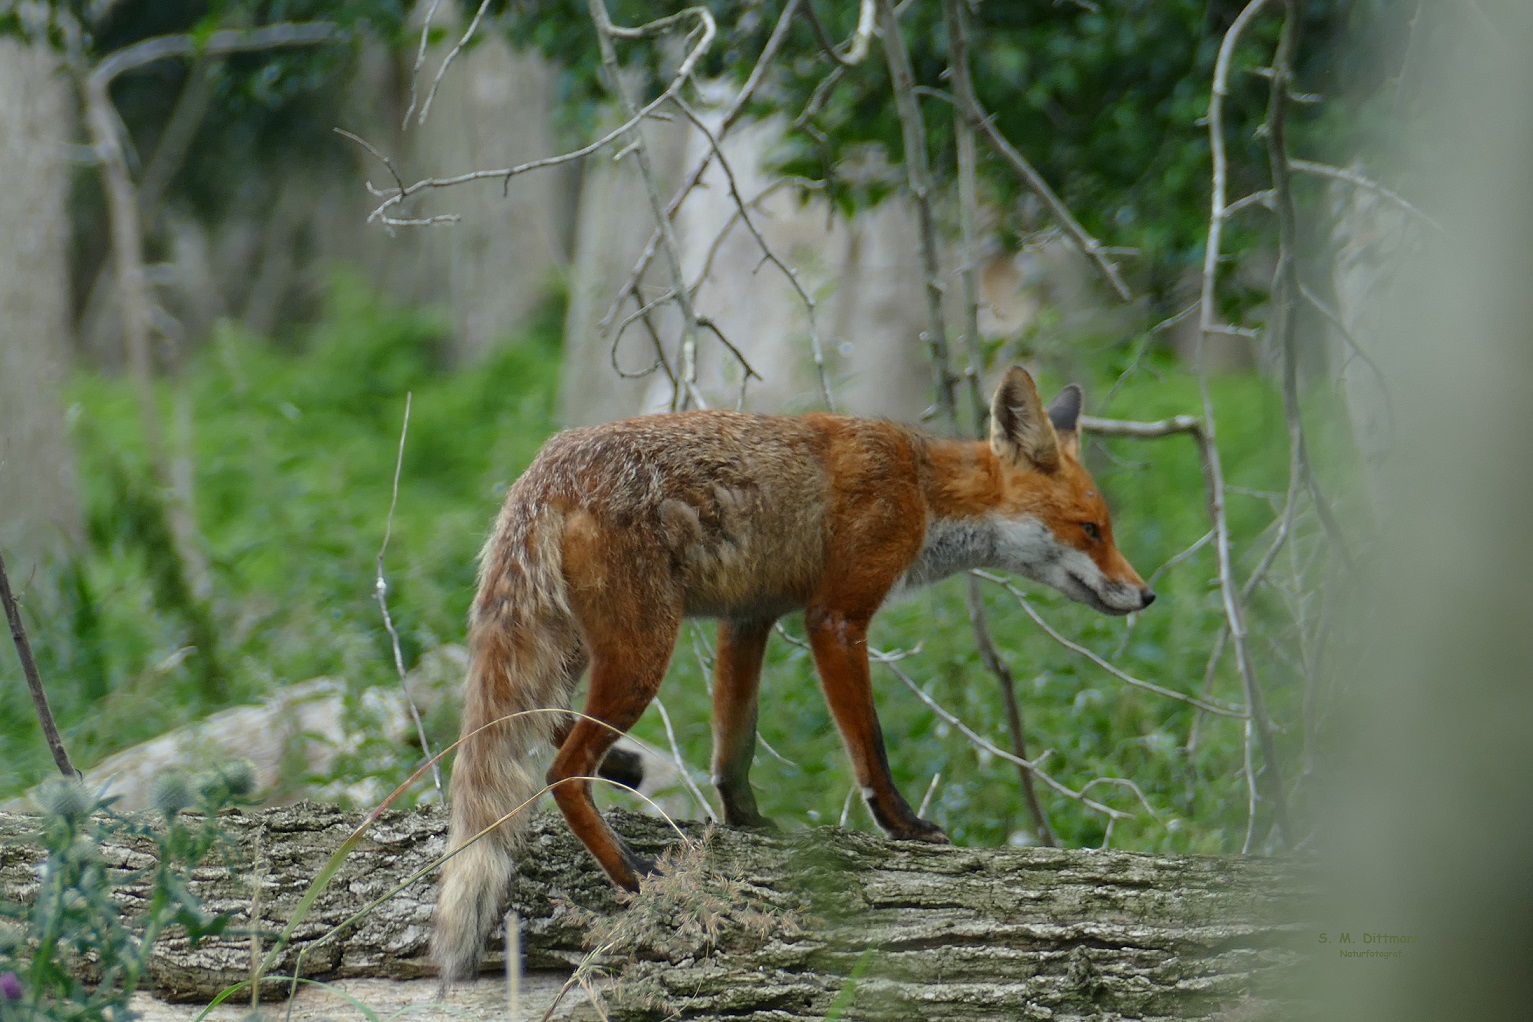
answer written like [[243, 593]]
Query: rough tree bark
[[39, 505], [774, 927]]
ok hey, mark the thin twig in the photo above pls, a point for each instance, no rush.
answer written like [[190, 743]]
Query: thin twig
[[1032, 766], [136, 307], [1173, 561], [1116, 672], [857, 49], [1088, 244], [1364, 182], [631, 123], [968, 215], [468, 33], [1143, 430], [1357, 349], [768, 190], [919, 179], [742, 210], [931, 789], [968, 210], [681, 764], [606, 33], [420, 60], [224, 41], [1257, 726], [381, 593], [736, 108], [392, 221], [34, 680], [1008, 685]]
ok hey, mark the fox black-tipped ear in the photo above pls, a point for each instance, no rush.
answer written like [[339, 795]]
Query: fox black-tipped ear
[[1065, 414], [1020, 430]]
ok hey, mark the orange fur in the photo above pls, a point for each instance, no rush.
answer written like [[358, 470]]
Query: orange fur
[[616, 533]]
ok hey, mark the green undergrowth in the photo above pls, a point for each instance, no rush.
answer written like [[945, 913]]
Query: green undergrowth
[[293, 450]]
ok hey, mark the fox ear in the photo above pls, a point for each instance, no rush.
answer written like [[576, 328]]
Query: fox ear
[[1020, 431], [1065, 414]]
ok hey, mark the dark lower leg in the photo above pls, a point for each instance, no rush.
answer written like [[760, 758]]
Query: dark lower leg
[[736, 684], [840, 653]]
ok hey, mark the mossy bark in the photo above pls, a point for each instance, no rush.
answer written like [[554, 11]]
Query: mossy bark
[[766, 927]]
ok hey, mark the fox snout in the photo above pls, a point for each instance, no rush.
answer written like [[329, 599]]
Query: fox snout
[[1124, 596], [1115, 598]]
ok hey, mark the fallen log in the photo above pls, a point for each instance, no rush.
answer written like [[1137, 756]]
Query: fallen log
[[760, 927]]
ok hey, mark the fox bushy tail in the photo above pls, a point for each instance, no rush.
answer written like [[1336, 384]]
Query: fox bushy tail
[[525, 655]]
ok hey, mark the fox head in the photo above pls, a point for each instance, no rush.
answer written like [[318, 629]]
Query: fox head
[[1052, 524]]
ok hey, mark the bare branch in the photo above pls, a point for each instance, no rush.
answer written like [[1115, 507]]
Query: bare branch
[[742, 210], [754, 202], [1357, 180], [391, 221], [968, 209], [1143, 430], [468, 33], [1117, 672], [857, 49], [1262, 198], [606, 32], [225, 41], [635, 118], [381, 593], [769, 52], [1032, 766], [420, 60], [1258, 725], [1356, 348], [918, 175], [997, 666], [974, 364], [1088, 244], [137, 307], [34, 680], [681, 764]]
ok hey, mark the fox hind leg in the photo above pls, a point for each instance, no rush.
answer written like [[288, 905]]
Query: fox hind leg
[[625, 766], [736, 685], [628, 661]]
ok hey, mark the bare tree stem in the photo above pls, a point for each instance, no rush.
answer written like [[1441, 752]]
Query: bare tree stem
[[918, 174], [968, 216], [606, 32], [1008, 686], [1258, 726], [381, 592], [34, 680]]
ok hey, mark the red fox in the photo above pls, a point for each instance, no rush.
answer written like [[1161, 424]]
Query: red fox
[[616, 533]]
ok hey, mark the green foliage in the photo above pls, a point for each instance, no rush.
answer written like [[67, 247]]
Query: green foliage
[[1107, 100], [293, 457], [74, 953]]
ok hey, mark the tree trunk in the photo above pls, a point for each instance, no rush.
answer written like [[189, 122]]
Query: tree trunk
[[39, 511], [770, 927]]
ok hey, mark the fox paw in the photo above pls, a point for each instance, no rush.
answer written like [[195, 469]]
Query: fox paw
[[921, 830]]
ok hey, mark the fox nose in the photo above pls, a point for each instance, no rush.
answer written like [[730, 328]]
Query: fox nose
[[1146, 597]]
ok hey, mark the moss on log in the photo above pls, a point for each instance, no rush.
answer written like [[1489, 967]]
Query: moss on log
[[763, 927]]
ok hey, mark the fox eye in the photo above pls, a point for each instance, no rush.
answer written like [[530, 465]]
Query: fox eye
[[1092, 532]]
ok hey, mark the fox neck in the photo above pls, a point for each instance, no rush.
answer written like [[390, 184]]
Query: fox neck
[[963, 491]]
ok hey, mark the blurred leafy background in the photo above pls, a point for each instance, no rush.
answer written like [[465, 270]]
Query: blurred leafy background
[[298, 411]]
